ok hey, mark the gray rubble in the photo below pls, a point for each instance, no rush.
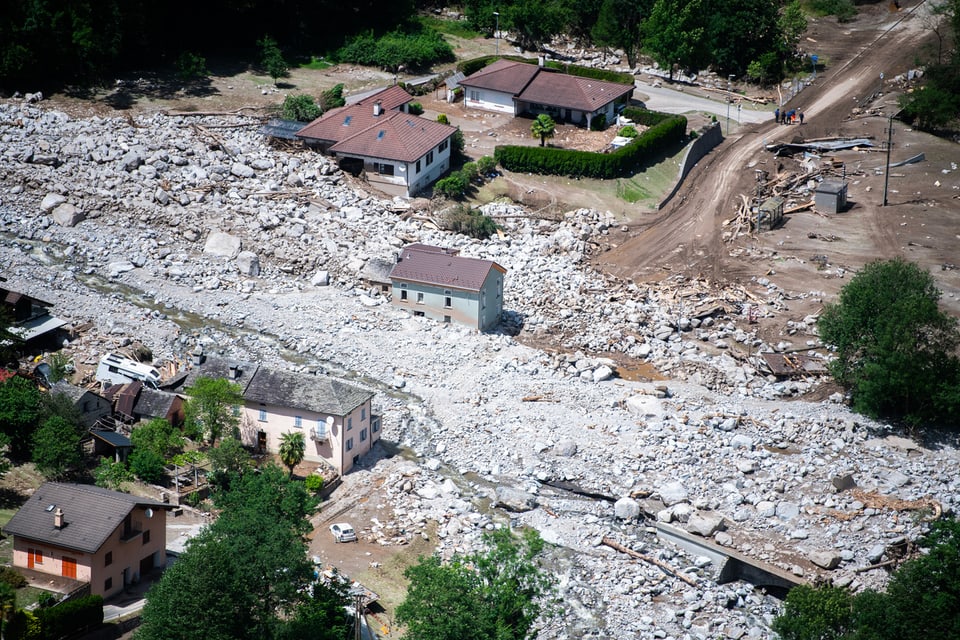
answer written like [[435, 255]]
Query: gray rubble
[[177, 237]]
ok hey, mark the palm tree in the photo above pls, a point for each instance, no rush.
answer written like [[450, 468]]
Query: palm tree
[[292, 449], [543, 128]]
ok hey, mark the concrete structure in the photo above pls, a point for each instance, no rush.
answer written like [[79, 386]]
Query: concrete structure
[[517, 88], [831, 196], [399, 152], [437, 283], [105, 538], [335, 418]]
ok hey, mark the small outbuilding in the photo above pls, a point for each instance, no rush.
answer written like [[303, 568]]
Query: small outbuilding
[[831, 196], [770, 214]]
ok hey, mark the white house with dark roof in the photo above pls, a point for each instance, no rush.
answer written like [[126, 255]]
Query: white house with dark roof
[[335, 418], [518, 87], [399, 152], [437, 283], [104, 538]]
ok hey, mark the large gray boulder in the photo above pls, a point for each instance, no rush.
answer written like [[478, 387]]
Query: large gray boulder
[[51, 201], [67, 215], [248, 263], [705, 523], [672, 493], [222, 244], [825, 559], [513, 499], [242, 171], [626, 509]]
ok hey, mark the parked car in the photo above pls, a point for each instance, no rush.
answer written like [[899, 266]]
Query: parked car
[[343, 532]]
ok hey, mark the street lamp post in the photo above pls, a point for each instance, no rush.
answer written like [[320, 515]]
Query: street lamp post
[[496, 31]]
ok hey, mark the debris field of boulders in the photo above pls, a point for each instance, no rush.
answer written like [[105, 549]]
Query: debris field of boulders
[[178, 231]]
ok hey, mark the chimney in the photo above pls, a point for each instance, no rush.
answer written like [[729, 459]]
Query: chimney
[[234, 371], [58, 518], [377, 108], [540, 61], [197, 356]]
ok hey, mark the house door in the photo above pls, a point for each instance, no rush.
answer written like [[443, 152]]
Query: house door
[[146, 565], [261, 441], [69, 569]]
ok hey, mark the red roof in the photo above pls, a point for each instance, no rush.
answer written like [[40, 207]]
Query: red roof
[[432, 265], [341, 123], [532, 83], [398, 136]]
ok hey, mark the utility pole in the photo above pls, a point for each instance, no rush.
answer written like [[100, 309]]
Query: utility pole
[[886, 173], [496, 33]]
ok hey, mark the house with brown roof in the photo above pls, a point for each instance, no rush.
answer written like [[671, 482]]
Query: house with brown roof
[[518, 87], [438, 283], [104, 538], [399, 152], [335, 418]]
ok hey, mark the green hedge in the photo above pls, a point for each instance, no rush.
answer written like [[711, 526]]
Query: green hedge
[[588, 164], [71, 616], [469, 67], [646, 117]]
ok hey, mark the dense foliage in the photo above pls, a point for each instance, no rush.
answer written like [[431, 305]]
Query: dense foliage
[[56, 448], [247, 575], [470, 222], [935, 105], [301, 107], [498, 593], [896, 350], [922, 600], [71, 616], [565, 162], [418, 50], [212, 409], [19, 413]]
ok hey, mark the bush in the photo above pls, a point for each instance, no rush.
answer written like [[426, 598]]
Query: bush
[[486, 165], [564, 162], [191, 66], [628, 131], [442, 118], [392, 50], [71, 616], [470, 222], [453, 186], [301, 108], [147, 465], [468, 67], [313, 483], [47, 599], [470, 171], [415, 108], [599, 122], [12, 577], [23, 625], [332, 98], [272, 58]]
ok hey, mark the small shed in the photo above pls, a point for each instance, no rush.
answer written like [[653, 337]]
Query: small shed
[[110, 443], [831, 196], [770, 214]]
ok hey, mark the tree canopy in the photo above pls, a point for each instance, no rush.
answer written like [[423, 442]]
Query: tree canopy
[[212, 408], [19, 413], [498, 593], [896, 350], [56, 448]]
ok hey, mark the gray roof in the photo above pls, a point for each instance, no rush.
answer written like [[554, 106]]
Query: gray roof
[[113, 438], [285, 129], [90, 514], [64, 388], [305, 391], [153, 404], [284, 388]]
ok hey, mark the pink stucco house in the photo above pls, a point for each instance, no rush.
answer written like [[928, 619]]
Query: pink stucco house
[[105, 538]]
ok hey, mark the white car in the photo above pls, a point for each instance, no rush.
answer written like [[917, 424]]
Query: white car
[[343, 532]]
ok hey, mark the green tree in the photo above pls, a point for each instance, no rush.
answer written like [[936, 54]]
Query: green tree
[[896, 350], [300, 107], [620, 24], [272, 59], [158, 436], [292, 448], [191, 66], [111, 474], [935, 105], [212, 408], [322, 616], [9, 339], [147, 465], [498, 593], [738, 32], [675, 35], [822, 613], [230, 456], [543, 127], [454, 185], [332, 98], [8, 602], [535, 21], [792, 24], [56, 448], [19, 413]]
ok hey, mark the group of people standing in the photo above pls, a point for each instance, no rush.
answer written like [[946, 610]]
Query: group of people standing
[[793, 116]]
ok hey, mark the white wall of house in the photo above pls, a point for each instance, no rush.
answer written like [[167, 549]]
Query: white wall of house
[[488, 100], [336, 443], [426, 170]]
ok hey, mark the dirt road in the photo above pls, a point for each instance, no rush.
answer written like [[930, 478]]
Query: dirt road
[[686, 236]]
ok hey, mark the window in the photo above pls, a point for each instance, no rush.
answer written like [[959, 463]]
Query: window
[[419, 297], [447, 319], [349, 444], [321, 428], [108, 559], [430, 157], [418, 166], [363, 435], [38, 556], [475, 95], [383, 168], [349, 423], [443, 146], [108, 584], [263, 415], [403, 294], [448, 301], [418, 314], [298, 422], [146, 536], [375, 426], [363, 413]]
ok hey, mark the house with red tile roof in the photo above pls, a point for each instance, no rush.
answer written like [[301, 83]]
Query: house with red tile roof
[[438, 283], [399, 152], [517, 88]]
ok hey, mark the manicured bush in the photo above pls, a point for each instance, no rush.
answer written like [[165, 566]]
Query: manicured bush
[[566, 162], [473, 65], [70, 617], [442, 118], [313, 483], [415, 108], [301, 108], [486, 165], [12, 577], [453, 186], [628, 131]]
